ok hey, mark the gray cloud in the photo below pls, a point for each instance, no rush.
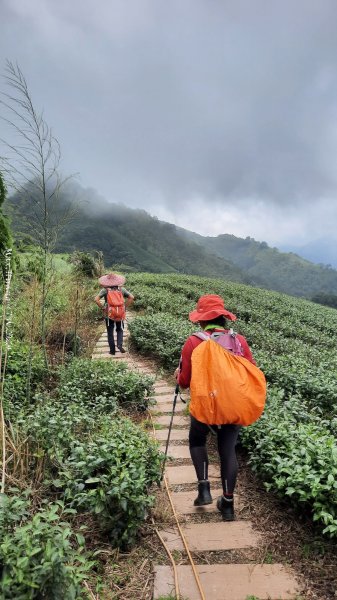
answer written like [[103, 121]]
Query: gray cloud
[[162, 103]]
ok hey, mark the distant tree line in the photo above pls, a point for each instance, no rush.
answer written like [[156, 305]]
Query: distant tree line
[[325, 299]]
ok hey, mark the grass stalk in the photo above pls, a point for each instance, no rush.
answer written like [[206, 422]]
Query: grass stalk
[[3, 359]]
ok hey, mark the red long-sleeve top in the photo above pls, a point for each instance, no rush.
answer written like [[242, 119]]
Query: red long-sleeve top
[[185, 364]]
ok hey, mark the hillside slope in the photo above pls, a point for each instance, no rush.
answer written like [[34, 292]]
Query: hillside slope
[[132, 237], [280, 271], [126, 236]]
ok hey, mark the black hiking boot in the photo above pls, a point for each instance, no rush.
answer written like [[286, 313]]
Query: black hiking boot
[[112, 352], [204, 494], [226, 507], [122, 350]]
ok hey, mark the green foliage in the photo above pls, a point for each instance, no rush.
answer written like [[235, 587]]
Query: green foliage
[[99, 385], [160, 336], [97, 460], [51, 426], [16, 375], [325, 299], [87, 264], [31, 264], [110, 476], [88, 390], [40, 555], [297, 456]]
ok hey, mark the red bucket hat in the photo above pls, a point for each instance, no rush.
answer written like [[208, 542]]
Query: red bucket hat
[[111, 280], [208, 308]]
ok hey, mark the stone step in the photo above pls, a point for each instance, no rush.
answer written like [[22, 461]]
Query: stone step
[[203, 537], [176, 434], [177, 451], [163, 399], [229, 582], [164, 390], [104, 339], [102, 349], [105, 345], [166, 408], [106, 354], [186, 474], [169, 398], [183, 502], [178, 420]]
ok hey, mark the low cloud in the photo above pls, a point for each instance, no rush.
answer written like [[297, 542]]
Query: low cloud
[[221, 115]]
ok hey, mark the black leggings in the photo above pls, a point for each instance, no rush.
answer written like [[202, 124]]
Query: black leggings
[[227, 436], [110, 331]]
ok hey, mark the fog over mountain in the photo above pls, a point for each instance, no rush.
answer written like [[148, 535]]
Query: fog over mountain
[[131, 239], [218, 117], [321, 251]]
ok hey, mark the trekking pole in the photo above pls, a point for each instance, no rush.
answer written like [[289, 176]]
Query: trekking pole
[[176, 392]]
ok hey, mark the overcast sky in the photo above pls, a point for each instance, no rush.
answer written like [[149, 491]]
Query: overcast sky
[[219, 116]]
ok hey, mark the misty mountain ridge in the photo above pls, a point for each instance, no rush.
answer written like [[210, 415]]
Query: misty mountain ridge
[[134, 240], [322, 251]]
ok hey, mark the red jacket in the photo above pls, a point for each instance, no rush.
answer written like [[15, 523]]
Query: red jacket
[[185, 365]]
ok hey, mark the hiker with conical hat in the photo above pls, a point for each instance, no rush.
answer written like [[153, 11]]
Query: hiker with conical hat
[[212, 316], [111, 291]]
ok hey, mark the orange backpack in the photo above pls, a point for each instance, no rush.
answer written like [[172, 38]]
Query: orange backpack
[[225, 388], [115, 305]]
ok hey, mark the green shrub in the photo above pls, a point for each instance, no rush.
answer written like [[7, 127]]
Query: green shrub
[[100, 384], [15, 388], [86, 264], [110, 476], [296, 455], [13, 510], [51, 426], [40, 556], [162, 336]]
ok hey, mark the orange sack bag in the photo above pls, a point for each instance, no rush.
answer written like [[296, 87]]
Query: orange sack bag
[[225, 388], [115, 305]]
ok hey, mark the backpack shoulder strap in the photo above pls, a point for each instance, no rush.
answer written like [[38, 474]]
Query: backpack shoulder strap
[[201, 335]]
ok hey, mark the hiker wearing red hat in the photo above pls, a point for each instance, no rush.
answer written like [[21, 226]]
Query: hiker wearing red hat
[[113, 295], [212, 316]]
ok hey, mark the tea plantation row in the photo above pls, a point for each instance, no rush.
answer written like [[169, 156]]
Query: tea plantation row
[[293, 446], [77, 458]]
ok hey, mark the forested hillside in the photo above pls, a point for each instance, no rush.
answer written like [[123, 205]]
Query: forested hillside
[[136, 241], [127, 238], [280, 271]]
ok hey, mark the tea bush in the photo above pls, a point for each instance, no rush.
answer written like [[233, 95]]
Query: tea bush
[[16, 374], [52, 426], [296, 454], [99, 385], [161, 336], [110, 476], [41, 557]]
